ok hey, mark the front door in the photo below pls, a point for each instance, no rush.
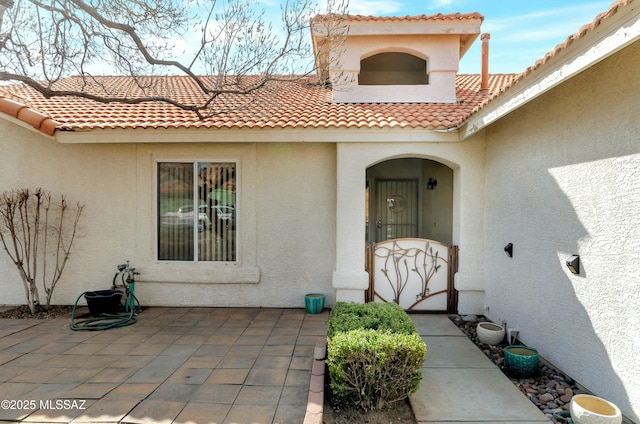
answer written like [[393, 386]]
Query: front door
[[397, 209]]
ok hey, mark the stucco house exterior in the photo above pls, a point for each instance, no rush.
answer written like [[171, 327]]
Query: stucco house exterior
[[547, 160]]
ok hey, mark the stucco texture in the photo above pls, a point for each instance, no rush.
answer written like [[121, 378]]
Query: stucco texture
[[563, 178], [101, 178]]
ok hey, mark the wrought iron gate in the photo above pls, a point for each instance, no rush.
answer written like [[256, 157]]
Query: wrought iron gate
[[415, 273], [397, 208]]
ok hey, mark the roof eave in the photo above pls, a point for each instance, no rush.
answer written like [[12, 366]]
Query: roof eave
[[27, 117], [258, 135], [609, 33]]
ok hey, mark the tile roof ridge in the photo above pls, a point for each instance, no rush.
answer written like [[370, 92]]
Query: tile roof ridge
[[28, 115], [421, 17], [497, 74]]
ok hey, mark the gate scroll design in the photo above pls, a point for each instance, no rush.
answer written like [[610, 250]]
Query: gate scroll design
[[417, 274]]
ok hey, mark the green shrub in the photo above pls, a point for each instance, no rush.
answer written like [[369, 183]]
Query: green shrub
[[374, 354], [374, 316]]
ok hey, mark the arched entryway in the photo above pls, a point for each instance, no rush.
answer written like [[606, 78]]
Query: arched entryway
[[409, 226], [409, 197], [350, 279]]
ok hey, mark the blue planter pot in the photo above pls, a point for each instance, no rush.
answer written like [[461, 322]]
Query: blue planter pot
[[522, 361], [314, 302]]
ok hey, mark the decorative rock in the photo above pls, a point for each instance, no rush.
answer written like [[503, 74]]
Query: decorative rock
[[566, 398], [548, 389], [546, 397]]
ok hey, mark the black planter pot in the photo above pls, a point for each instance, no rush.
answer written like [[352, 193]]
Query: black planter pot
[[103, 301]]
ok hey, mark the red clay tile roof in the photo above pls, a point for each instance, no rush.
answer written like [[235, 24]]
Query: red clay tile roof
[[409, 18], [290, 105], [28, 115], [295, 105]]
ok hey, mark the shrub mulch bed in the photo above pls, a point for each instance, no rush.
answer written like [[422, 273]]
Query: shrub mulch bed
[[23, 312], [335, 412]]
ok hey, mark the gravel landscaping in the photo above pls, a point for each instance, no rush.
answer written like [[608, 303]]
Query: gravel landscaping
[[550, 389]]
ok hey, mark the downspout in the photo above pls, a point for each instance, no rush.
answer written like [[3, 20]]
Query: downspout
[[484, 83]]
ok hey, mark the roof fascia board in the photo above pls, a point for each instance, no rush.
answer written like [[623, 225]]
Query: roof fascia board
[[609, 37], [256, 135]]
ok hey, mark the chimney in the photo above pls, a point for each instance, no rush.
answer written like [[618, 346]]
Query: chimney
[[484, 83]]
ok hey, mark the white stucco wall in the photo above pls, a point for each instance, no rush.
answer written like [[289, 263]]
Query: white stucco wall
[[100, 177], [286, 228], [440, 51], [286, 221], [563, 178]]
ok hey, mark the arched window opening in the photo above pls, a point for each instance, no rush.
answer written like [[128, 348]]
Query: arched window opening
[[393, 69]]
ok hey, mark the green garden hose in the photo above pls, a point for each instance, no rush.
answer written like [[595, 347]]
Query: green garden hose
[[106, 321]]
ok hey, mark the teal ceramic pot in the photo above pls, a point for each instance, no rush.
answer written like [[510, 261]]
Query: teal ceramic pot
[[314, 302], [522, 361]]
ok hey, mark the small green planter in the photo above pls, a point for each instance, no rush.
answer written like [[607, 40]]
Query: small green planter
[[314, 302], [522, 361]]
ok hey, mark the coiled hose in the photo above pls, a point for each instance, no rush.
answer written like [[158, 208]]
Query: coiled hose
[[104, 321]]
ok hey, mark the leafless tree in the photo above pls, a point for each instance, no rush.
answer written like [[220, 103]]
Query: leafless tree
[[227, 47], [35, 232]]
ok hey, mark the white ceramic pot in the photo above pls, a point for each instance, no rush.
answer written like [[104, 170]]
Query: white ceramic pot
[[490, 333], [588, 409]]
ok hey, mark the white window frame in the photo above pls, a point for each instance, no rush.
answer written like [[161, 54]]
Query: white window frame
[[245, 269]]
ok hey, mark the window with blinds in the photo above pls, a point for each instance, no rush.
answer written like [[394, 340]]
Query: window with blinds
[[196, 211]]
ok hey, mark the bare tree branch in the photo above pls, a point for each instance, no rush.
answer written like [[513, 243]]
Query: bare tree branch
[[229, 48], [21, 225]]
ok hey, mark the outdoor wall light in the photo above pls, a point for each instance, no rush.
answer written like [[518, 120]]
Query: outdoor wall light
[[573, 263], [432, 183], [508, 250]]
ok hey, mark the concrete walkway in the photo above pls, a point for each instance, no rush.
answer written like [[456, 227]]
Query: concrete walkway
[[460, 384], [223, 366]]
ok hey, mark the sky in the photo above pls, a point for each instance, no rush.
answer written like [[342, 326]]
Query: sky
[[522, 31]]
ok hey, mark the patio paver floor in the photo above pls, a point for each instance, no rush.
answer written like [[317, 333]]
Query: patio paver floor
[[223, 366], [217, 365]]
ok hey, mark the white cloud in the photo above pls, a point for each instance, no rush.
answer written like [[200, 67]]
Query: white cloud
[[441, 3], [373, 7], [544, 25]]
